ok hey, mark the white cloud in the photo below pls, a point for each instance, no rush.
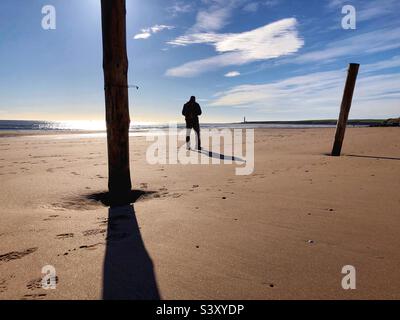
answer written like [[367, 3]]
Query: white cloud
[[278, 93], [143, 35], [319, 94], [232, 74], [160, 27], [147, 32], [273, 40]]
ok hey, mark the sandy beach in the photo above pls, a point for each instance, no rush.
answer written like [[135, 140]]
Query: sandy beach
[[200, 231]]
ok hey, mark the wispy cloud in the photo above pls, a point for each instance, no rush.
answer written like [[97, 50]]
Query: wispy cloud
[[232, 74], [212, 19], [360, 44], [272, 3], [320, 93], [214, 15], [393, 62], [273, 40], [367, 10], [251, 7], [147, 32], [179, 7], [254, 6], [334, 4]]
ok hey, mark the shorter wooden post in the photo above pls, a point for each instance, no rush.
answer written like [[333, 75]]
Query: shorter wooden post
[[345, 108]]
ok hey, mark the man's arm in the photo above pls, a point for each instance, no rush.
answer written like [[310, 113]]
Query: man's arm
[[184, 110], [199, 112]]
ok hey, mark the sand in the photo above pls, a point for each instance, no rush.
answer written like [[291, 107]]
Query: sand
[[284, 232]]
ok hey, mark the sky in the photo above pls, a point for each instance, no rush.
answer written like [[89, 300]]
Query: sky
[[263, 60]]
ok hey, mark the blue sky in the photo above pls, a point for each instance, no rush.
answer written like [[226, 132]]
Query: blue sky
[[266, 60]]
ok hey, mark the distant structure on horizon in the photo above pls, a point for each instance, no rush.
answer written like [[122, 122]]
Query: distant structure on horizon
[[244, 119]]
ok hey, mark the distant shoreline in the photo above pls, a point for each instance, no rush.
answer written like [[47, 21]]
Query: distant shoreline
[[354, 122]]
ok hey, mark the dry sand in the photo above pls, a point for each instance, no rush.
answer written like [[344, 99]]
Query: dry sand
[[206, 233]]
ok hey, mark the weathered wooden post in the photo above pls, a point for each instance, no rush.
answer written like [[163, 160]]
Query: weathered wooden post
[[115, 65], [345, 108]]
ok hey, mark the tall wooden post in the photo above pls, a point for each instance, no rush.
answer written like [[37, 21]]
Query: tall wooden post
[[115, 65], [345, 108]]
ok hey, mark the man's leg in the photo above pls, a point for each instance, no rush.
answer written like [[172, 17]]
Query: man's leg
[[197, 130], [187, 137]]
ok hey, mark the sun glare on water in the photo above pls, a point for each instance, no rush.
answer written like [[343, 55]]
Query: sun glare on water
[[88, 125]]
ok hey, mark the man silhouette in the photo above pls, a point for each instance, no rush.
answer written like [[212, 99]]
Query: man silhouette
[[191, 111]]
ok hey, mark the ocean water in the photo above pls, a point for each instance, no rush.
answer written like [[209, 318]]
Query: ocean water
[[100, 126]]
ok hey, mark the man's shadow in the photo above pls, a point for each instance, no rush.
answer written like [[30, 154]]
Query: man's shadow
[[128, 269], [220, 156]]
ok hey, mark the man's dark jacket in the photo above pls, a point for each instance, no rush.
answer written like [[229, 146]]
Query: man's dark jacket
[[191, 111]]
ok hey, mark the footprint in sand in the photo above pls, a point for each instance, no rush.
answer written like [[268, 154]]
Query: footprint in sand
[[3, 285], [103, 222], [13, 255], [36, 283], [36, 296], [87, 247], [144, 185], [176, 195], [91, 246], [4, 281], [65, 236], [93, 232]]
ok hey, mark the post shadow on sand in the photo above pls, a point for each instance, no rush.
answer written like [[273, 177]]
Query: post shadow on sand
[[365, 156], [372, 157], [128, 271], [220, 156]]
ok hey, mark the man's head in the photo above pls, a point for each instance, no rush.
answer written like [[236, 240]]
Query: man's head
[[192, 99]]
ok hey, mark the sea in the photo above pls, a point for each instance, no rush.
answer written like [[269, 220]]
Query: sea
[[136, 127]]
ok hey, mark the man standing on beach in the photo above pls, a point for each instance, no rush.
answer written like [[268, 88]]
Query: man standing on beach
[[191, 111]]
